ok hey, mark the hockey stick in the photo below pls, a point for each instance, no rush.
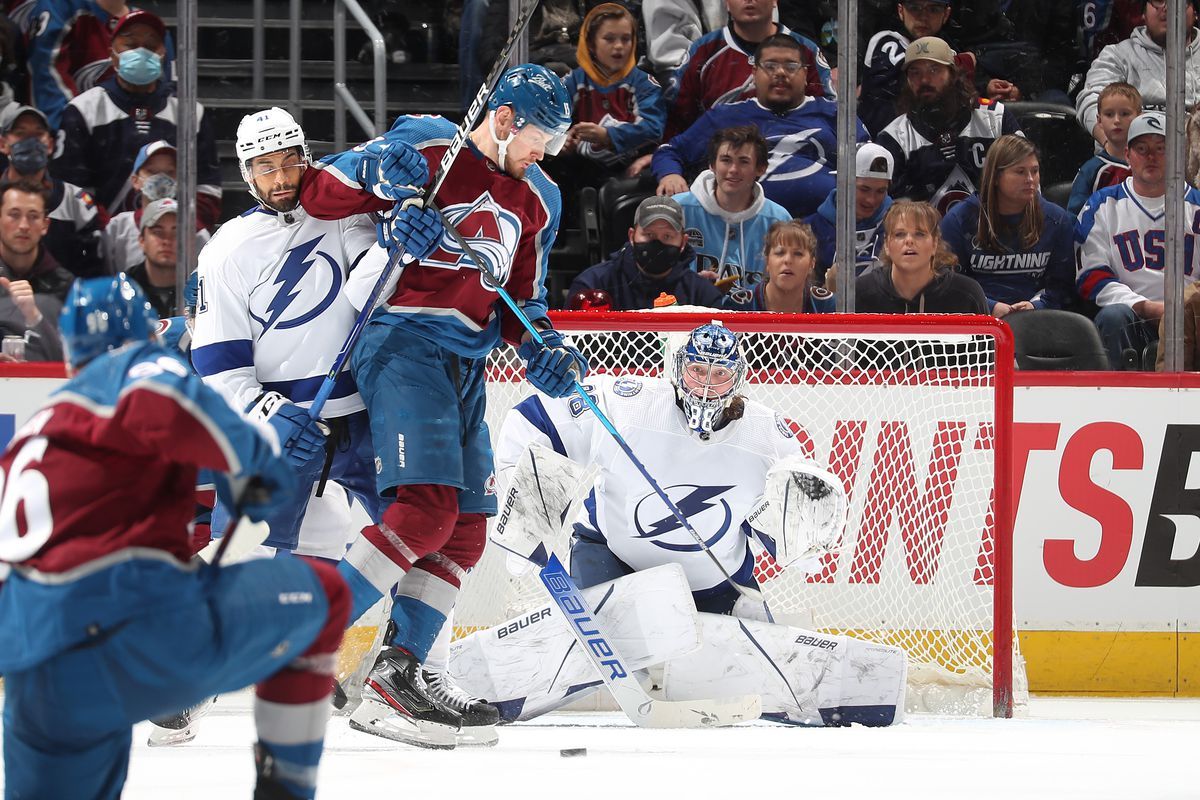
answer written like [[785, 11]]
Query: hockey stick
[[456, 144], [644, 710]]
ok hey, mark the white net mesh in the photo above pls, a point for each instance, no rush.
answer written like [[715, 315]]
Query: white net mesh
[[905, 416]]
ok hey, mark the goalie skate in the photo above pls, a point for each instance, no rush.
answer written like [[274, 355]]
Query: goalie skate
[[397, 705], [178, 728], [479, 717]]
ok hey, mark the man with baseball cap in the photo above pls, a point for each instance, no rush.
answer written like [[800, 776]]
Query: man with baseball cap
[[27, 139], [655, 261], [156, 274], [104, 127], [1141, 60], [1119, 242], [873, 166], [940, 140]]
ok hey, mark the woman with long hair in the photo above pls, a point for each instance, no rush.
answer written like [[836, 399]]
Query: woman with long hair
[[790, 255], [1009, 238], [917, 272]]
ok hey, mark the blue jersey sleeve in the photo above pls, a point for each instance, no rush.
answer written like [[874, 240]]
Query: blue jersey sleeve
[[651, 112]]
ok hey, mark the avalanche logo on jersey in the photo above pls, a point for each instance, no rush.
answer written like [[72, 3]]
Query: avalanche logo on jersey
[[288, 292], [654, 520], [491, 230]]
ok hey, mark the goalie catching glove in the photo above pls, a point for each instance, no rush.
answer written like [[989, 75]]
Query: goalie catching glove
[[552, 366], [803, 510]]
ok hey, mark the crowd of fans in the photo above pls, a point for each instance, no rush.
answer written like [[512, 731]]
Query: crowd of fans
[[727, 110]]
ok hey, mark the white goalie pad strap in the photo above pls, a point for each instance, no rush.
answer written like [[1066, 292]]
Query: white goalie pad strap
[[803, 508], [537, 501], [532, 664], [810, 678]]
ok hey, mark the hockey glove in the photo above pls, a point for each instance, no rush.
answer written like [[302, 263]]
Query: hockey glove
[[392, 170], [412, 229], [553, 366], [300, 435]]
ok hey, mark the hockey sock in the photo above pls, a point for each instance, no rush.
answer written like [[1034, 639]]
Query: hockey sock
[[439, 655], [292, 707]]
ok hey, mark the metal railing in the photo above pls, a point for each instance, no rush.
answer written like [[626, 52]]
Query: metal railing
[[343, 99]]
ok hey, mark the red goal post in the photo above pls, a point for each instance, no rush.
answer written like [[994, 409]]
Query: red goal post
[[914, 414]]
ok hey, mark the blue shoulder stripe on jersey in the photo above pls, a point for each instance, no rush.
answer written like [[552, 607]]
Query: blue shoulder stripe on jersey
[[531, 408], [219, 357], [305, 389]]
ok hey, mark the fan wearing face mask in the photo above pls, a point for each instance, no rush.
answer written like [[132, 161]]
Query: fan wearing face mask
[[655, 261], [27, 140], [104, 127]]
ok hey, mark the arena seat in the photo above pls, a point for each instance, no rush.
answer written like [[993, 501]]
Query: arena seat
[[1063, 143], [1058, 193], [618, 200], [1048, 339]]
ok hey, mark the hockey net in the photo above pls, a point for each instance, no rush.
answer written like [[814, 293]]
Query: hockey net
[[914, 415]]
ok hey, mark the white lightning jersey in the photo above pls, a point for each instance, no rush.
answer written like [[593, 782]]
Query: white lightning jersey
[[714, 482], [278, 296]]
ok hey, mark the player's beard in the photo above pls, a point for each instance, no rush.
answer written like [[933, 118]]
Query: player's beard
[[290, 205]]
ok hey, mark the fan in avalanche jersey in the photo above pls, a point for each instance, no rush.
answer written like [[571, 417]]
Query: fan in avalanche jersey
[[706, 445]]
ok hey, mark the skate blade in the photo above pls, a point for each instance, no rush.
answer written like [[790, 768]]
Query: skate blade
[[379, 720], [165, 737], [478, 736]]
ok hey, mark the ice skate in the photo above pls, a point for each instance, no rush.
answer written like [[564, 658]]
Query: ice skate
[[479, 717], [396, 704], [178, 728], [268, 786]]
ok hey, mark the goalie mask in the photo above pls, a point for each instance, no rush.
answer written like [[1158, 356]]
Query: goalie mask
[[708, 373], [265, 132]]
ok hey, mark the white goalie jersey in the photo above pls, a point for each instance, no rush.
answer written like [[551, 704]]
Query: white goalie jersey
[[714, 482], [278, 295]]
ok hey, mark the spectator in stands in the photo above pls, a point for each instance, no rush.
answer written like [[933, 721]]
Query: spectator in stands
[[800, 131], [726, 215], [1120, 250], [673, 26], [1141, 60], [74, 237], [790, 255], [940, 139], [103, 128], [655, 261], [1191, 311], [153, 179], [618, 110], [1118, 104], [873, 167], [32, 284], [883, 76], [719, 69], [1011, 240], [917, 274], [156, 273]]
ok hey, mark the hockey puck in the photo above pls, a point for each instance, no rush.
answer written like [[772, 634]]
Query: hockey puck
[[571, 752]]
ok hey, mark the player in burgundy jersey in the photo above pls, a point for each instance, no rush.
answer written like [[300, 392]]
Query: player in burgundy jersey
[[104, 620], [421, 360]]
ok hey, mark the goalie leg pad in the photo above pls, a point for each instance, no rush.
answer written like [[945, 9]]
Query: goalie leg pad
[[804, 677], [532, 664]]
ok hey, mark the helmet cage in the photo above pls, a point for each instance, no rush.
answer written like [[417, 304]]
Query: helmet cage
[[713, 345]]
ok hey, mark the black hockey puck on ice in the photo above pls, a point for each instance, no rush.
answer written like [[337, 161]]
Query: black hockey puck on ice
[[571, 752]]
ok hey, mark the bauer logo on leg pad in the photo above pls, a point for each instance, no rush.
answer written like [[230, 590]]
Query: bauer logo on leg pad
[[522, 623]]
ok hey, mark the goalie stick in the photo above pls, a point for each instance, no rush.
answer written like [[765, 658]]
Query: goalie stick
[[456, 144]]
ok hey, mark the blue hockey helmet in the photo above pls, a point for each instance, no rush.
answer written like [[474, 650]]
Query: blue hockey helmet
[[101, 314], [538, 99], [708, 372]]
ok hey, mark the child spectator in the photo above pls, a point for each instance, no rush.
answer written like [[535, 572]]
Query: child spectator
[[1118, 103], [790, 256], [872, 178], [726, 215], [918, 274], [1014, 243]]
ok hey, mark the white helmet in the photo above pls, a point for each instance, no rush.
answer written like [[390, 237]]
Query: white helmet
[[265, 132]]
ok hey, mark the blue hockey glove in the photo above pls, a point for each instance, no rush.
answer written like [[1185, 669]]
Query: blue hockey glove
[[553, 366], [392, 170], [300, 436], [272, 489], [412, 228]]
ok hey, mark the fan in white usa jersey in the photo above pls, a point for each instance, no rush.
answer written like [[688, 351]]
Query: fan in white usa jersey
[[279, 292], [734, 468]]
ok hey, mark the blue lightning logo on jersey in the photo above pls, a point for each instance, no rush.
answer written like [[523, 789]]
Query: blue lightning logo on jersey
[[290, 275], [696, 502], [293, 279]]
